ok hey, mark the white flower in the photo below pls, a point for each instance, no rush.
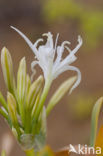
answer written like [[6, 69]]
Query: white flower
[[50, 57]]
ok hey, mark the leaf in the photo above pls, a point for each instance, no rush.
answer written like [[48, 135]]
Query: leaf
[[99, 140], [61, 91], [94, 120]]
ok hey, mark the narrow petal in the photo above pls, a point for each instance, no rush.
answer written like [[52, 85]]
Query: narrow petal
[[60, 50], [33, 64], [49, 42], [78, 78], [36, 43], [65, 68], [78, 46], [26, 39]]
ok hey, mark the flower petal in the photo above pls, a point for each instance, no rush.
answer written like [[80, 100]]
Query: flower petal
[[26, 39]]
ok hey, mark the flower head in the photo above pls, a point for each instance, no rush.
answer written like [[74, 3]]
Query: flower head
[[50, 57]]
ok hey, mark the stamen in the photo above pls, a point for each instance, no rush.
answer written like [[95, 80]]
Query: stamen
[[33, 64], [56, 41], [26, 39], [68, 49], [36, 43], [65, 42]]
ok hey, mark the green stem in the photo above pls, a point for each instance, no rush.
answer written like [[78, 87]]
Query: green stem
[[43, 97], [30, 152]]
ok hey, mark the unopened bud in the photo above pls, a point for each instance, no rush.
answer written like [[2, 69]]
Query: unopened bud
[[7, 68], [61, 91]]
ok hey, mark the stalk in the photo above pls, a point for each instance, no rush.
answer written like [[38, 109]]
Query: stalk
[[43, 97]]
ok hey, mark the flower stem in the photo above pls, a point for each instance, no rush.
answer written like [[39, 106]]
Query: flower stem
[[30, 152], [43, 97]]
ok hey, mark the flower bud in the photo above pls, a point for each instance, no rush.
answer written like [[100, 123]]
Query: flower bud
[[7, 68], [12, 109], [21, 80], [61, 91], [11, 106], [33, 92]]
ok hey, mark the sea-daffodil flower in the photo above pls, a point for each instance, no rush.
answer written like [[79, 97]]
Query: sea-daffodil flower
[[49, 57]]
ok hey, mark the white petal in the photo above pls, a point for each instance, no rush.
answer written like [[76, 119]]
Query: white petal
[[26, 39], [49, 42], [36, 43], [73, 69], [78, 46], [68, 49], [33, 64], [78, 78]]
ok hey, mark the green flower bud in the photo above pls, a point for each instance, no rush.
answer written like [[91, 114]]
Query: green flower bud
[[21, 80], [3, 102], [28, 83], [61, 91], [7, 68], [36, 103], [15, 132], [12, 109], [33, 92]]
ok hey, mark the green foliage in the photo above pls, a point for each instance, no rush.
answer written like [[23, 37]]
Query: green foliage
[[89, 21]]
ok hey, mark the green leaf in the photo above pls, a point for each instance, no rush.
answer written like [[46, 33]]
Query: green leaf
[[94, 120], [61, 91]]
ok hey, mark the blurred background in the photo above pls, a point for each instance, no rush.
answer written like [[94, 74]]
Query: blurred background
[[69, 122]]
